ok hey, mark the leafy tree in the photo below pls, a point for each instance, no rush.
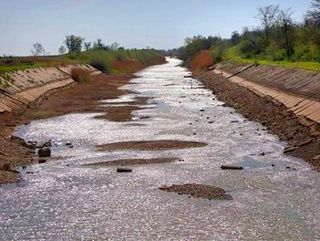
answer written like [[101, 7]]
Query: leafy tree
[[62, 50], [74, 43], [87, 46], [99, 45], [37, 49], [235, 38]]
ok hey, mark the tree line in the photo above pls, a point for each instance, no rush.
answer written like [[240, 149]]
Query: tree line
[[278, 38], [75, 44]]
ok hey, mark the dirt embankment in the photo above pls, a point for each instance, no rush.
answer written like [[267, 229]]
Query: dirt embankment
[[82, 97], [275, 116]]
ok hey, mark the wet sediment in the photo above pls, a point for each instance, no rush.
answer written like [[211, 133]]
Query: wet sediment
[[198, 191], [129, 162]]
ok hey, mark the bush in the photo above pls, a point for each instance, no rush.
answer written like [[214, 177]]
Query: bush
[[80, 75]]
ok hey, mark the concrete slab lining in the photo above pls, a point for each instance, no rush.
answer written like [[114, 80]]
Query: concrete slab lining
[[21, 87], [297, 89]]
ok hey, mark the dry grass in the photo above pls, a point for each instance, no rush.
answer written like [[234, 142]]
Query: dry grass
[[80, 75]]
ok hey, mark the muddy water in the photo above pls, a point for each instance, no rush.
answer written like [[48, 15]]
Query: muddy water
[[63, 200]]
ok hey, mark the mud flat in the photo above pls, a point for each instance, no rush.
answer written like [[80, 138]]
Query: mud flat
[[150, 145], [126, 162], [198, 191]]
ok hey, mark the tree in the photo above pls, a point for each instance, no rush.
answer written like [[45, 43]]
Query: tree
[[235, 38], [74, 43], [114, 46], [313, 15], [87, 46], [287, 26], [62, 50], [268, 17], [37, 49], [98, 45]]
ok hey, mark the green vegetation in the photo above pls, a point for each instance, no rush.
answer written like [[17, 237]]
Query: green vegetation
[[108, 59], [278, 41]]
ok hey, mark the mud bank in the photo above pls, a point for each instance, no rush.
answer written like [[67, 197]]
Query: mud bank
[[301, 134]]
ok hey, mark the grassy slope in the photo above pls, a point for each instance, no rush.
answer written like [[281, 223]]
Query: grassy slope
[[232, 55]]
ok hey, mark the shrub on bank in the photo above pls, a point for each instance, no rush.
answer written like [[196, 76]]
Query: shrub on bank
[[80, 75]]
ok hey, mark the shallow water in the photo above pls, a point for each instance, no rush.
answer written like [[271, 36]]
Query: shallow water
[[62, 200]]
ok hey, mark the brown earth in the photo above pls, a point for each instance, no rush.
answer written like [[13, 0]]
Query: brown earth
[[129, 162], [150, 145], [198, 191], [275, 116], [83, 97]]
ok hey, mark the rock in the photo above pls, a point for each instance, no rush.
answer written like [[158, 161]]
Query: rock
[[262, 154], [13, 137], [124, 169], [68, 144], [304, 121], [289, 149], [27, 145], [42, 161], [44, 152], [24, 167], [47, 144], [5, 167], [316, 157], [231, 167], [305, 142], [202, 110]]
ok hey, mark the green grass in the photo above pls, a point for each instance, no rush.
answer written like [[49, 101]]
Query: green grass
[[11, 64], [233, 55]]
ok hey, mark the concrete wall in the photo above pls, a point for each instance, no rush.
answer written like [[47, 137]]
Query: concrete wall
[[21, 87], [297, 89]]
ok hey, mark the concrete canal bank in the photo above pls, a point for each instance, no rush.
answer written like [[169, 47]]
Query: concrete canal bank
[[21, 87], [297, 89]]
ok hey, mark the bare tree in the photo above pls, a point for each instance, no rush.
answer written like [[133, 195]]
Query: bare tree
[[313, 15], [268, 17], [37, 49], [287, 26]]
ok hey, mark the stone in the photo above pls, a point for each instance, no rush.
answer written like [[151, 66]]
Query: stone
[[289, 149], [124, 169], [44, 152], [42, 161], [224, 167]]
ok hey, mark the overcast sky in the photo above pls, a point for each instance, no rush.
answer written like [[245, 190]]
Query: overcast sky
[[160, 24]]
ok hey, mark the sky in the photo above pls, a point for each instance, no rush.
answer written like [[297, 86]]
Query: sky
[[159, 24]]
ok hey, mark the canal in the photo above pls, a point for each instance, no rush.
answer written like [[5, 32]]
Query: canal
[[275, 197]]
